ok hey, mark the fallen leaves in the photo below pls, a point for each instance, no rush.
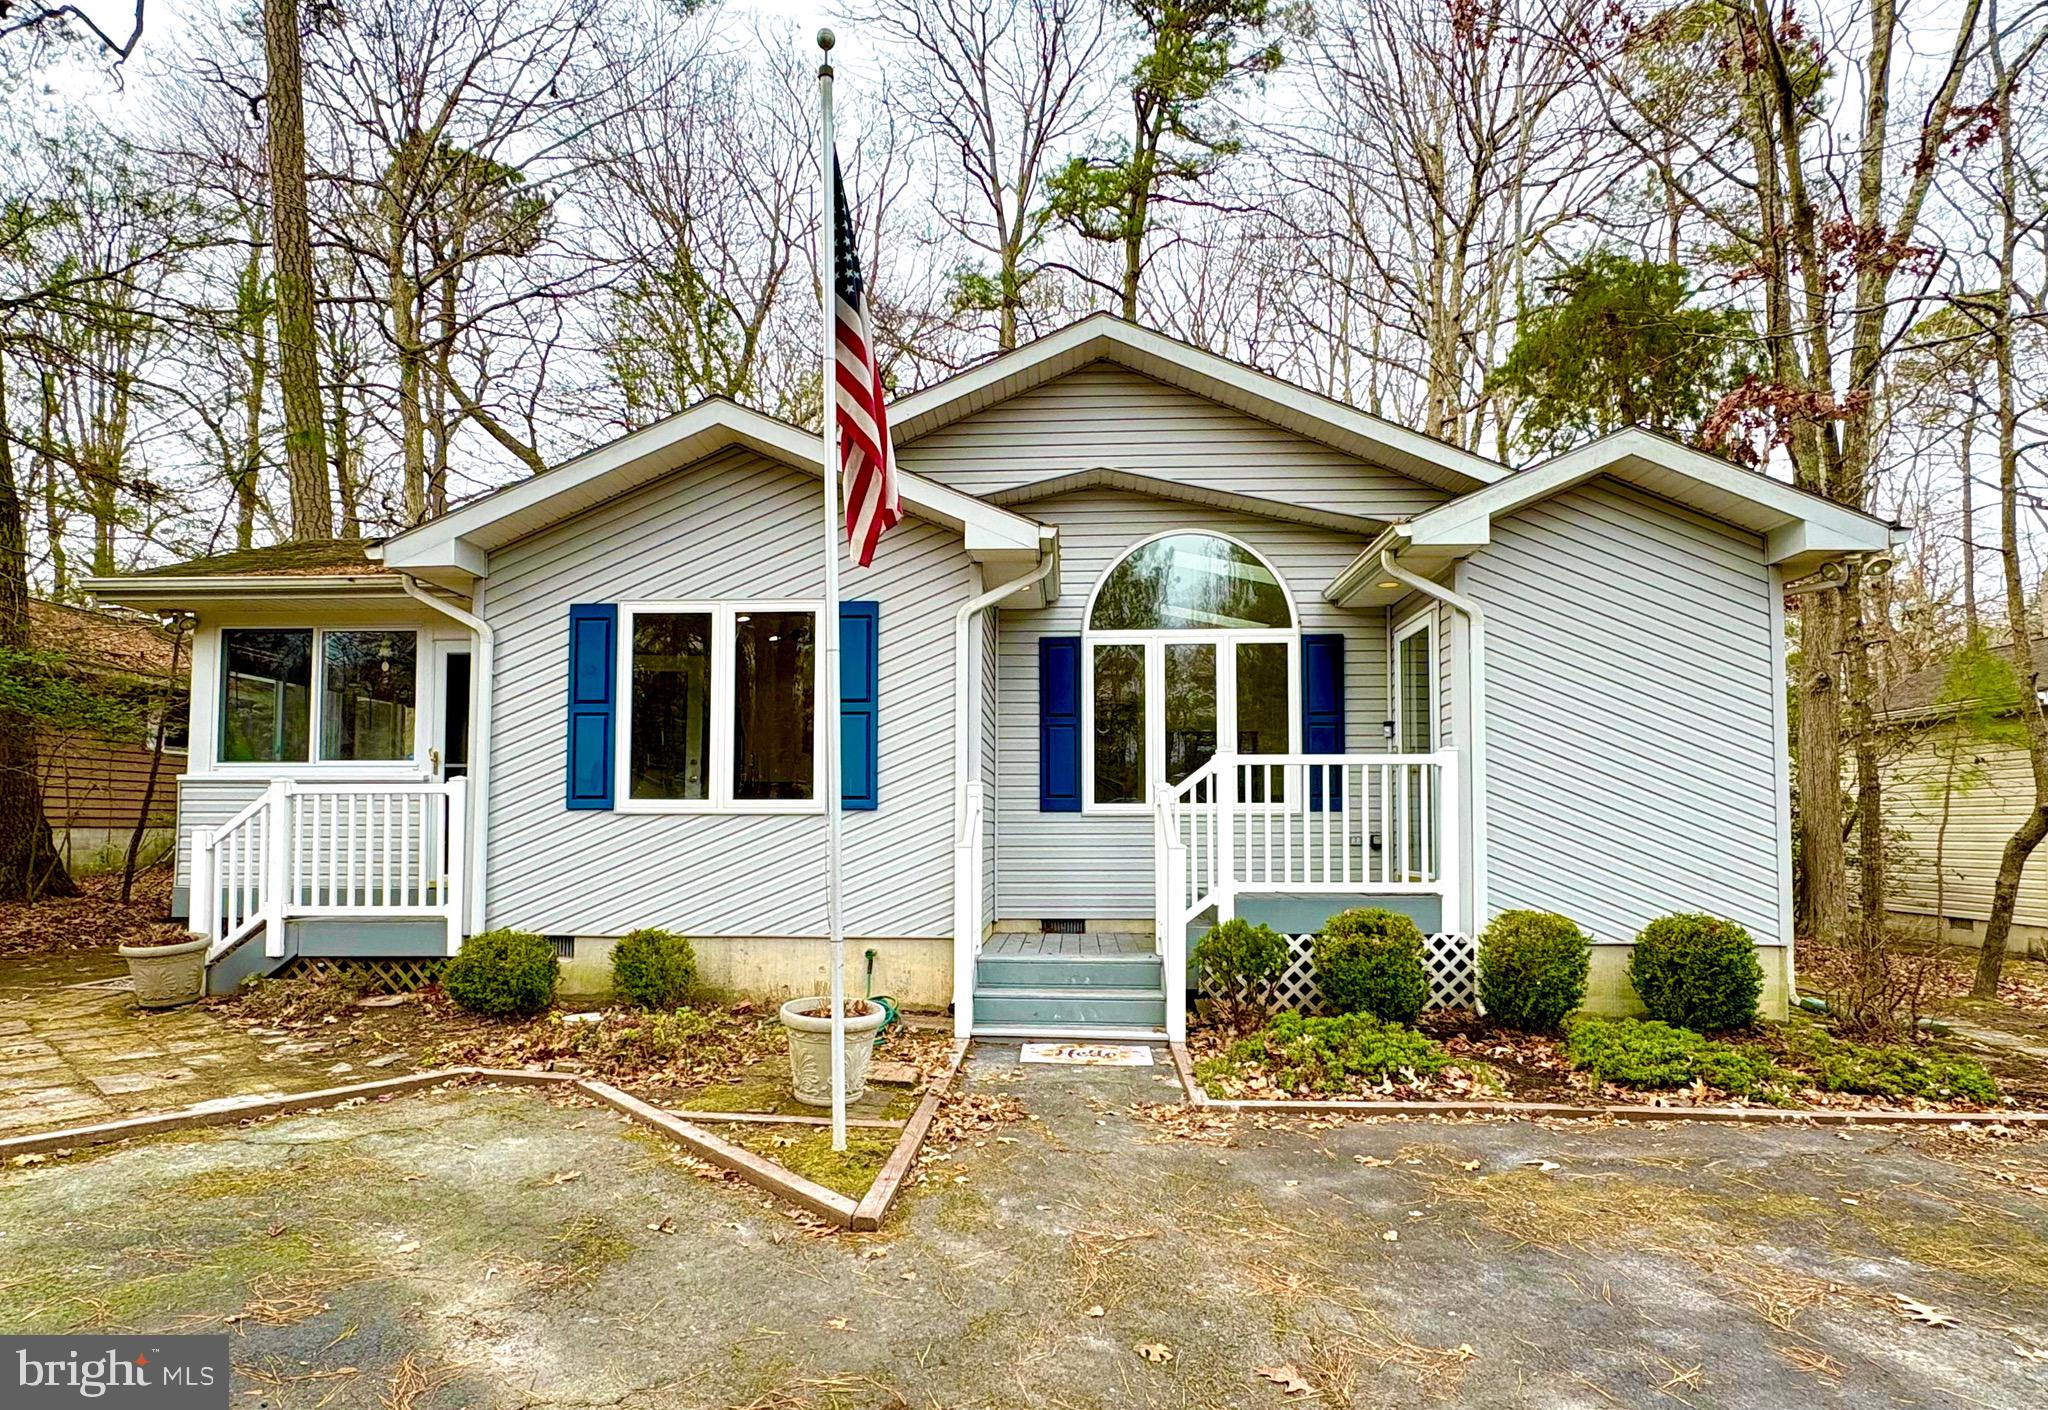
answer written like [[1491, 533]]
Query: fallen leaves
[[562, 1177], [1290, 1381], [1923, 1314], [1176, 1121], [1157, 1352]]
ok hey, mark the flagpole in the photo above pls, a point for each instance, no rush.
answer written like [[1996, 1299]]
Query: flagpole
[[828, 687]]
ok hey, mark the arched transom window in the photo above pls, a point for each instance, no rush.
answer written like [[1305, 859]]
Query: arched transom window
[[1191, 641]]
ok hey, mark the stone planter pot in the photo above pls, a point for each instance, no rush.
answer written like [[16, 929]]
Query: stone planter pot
[[810, 1047], [166, 976]]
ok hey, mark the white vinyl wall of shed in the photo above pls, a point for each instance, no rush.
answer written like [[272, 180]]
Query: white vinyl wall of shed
[[1988, 789]]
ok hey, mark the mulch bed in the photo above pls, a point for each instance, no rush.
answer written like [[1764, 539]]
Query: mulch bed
[[93, 920]]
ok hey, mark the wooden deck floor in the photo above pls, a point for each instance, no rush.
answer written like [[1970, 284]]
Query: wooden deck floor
[[1066, 946]]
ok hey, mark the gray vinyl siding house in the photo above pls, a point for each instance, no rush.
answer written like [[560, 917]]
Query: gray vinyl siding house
[[1160, 640]]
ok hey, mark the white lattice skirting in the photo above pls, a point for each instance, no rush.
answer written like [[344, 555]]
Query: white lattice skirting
[[1451, 959]]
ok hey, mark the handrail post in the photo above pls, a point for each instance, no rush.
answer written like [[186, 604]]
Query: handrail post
[[276, 831], [455, 865], [1229, 781], [1449, 845], [202, 900]]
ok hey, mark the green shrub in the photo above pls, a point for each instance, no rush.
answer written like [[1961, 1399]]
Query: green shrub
[[1697, 972], [1896, 1070], [1240, 961], [1532, 969], [502, 972], [1632, 1052], [1370, 961], [654, 969], [1329, 1054]]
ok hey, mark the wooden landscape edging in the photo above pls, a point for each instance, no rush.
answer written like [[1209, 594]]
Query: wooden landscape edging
[[755, 1170], [1546, 1111], [882, 1193]]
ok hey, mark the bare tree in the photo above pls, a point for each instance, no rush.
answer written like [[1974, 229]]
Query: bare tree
[[999, 87]]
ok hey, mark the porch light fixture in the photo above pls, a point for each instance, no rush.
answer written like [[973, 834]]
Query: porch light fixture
[[1387, 729]]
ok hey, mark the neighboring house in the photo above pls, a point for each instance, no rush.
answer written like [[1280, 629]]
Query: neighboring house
[[94, 786], [1956, 795], [583, 703]]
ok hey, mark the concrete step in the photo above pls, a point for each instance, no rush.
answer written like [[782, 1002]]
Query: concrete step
[[1055, 1008], [1067, 972]]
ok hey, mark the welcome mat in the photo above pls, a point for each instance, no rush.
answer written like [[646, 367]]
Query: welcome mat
[[1090, 1054]]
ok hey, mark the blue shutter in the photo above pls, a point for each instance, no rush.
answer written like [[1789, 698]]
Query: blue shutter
[[593, 706], [1059, 724], [1322, 703], [859, 689]]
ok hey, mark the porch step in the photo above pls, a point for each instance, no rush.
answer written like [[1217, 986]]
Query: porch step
[[1067, 972], [1056, 1008]]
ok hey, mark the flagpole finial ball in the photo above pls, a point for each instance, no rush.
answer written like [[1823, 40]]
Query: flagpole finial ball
[[825, 40]]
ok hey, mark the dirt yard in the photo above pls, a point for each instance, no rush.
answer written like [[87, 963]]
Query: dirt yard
[[491, 1248]]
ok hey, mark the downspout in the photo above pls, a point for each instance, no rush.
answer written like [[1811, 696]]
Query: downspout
[[967, 694], [479, 746], [1475, 616], [966, 747]]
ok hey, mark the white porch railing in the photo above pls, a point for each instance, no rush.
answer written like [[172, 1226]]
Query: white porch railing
[[1291, 824], [331, 849]]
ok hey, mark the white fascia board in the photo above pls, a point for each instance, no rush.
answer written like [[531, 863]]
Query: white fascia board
[[1807, 527], [147, 591], [463, 538], [1106, 336]]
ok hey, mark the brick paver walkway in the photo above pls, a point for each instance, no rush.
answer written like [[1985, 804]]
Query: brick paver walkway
[[73, 1050]]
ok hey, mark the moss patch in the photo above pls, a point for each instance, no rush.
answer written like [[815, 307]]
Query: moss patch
[[63, 1296], [807, 1151]]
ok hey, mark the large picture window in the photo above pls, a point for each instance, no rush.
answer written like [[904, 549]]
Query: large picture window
[[719, 708], [1191, 642], [364, 710]]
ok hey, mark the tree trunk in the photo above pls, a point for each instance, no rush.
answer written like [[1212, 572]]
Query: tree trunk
[[30, 865], [298, 350], [1822, 867], [156, 766], [1969, 528], [2028, 835]]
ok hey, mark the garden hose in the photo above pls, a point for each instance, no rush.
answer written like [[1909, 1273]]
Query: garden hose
[[889, 1009]]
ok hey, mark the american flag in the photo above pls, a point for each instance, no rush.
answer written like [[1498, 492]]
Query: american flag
[[866, 459]]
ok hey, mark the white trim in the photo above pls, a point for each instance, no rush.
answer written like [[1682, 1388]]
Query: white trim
[[1102, 579], [1422, 621], [313, 766], [504, 516], [1782, 770], [1800, 531], [719, 798], [1155, 641]]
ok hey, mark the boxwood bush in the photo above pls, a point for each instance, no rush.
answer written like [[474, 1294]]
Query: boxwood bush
[[1241, 961], [1698, 972], [654, 969], [1371, 961], [1532, 969], [502, 973]]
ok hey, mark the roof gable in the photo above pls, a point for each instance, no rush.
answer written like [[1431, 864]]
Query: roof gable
[[1105, 338]]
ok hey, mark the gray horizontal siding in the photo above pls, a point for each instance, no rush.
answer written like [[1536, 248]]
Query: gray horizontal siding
[[1989, 790], [1099, 867], [209, 802], [1629, 714], [1106, 416], [734, 527]]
